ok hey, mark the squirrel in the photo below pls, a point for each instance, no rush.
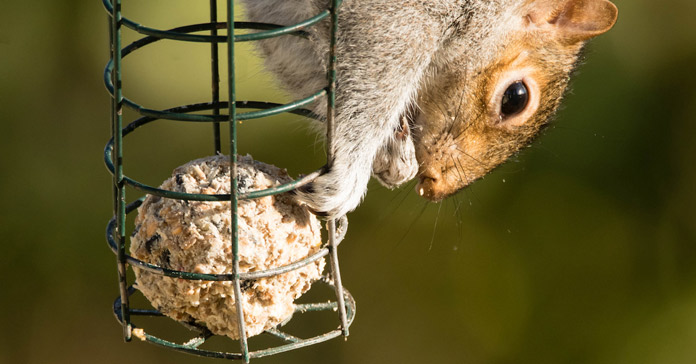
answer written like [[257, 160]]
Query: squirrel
[[441, 90]]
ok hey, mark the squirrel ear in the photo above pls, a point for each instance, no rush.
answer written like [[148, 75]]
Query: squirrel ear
[[576, 20]]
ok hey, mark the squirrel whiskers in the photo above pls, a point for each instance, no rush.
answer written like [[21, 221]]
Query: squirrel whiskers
[[444, 90]]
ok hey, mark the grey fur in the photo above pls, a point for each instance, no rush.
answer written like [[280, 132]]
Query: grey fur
[[388, 51]]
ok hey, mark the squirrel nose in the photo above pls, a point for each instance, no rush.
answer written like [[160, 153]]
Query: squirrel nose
[[430, 187]]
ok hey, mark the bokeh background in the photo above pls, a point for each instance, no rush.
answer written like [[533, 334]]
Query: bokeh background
[[580, 250]]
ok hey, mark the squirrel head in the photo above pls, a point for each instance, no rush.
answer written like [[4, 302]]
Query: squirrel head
[[471, 116]]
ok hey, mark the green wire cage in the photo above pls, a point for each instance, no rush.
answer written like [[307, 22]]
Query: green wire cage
[[213, 113]]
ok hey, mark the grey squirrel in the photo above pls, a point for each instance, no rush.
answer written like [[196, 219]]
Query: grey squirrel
[[444, 90]]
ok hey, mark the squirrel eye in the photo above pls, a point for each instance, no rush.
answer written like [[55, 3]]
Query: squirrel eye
[[515, 99]]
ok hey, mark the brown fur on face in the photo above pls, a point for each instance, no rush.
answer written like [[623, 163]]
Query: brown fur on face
[[459, 132]]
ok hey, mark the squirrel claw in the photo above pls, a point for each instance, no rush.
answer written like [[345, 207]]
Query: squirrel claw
[[334, 193], [321, 214]]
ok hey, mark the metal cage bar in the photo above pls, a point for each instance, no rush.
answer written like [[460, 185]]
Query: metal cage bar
[[330, 132], [291, 342], [113, 157], [215, 74], [119, 187], [340, 233], [270, 30], [234, 198]]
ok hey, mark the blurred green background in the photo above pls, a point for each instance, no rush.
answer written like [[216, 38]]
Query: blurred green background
[[580, 250]]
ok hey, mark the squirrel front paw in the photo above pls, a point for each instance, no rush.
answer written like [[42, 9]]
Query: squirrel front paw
[[395, 163], [336, 192]]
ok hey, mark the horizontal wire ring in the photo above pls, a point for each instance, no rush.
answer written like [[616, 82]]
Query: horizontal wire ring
[[191, 347], [153, 268], [269, 30]]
